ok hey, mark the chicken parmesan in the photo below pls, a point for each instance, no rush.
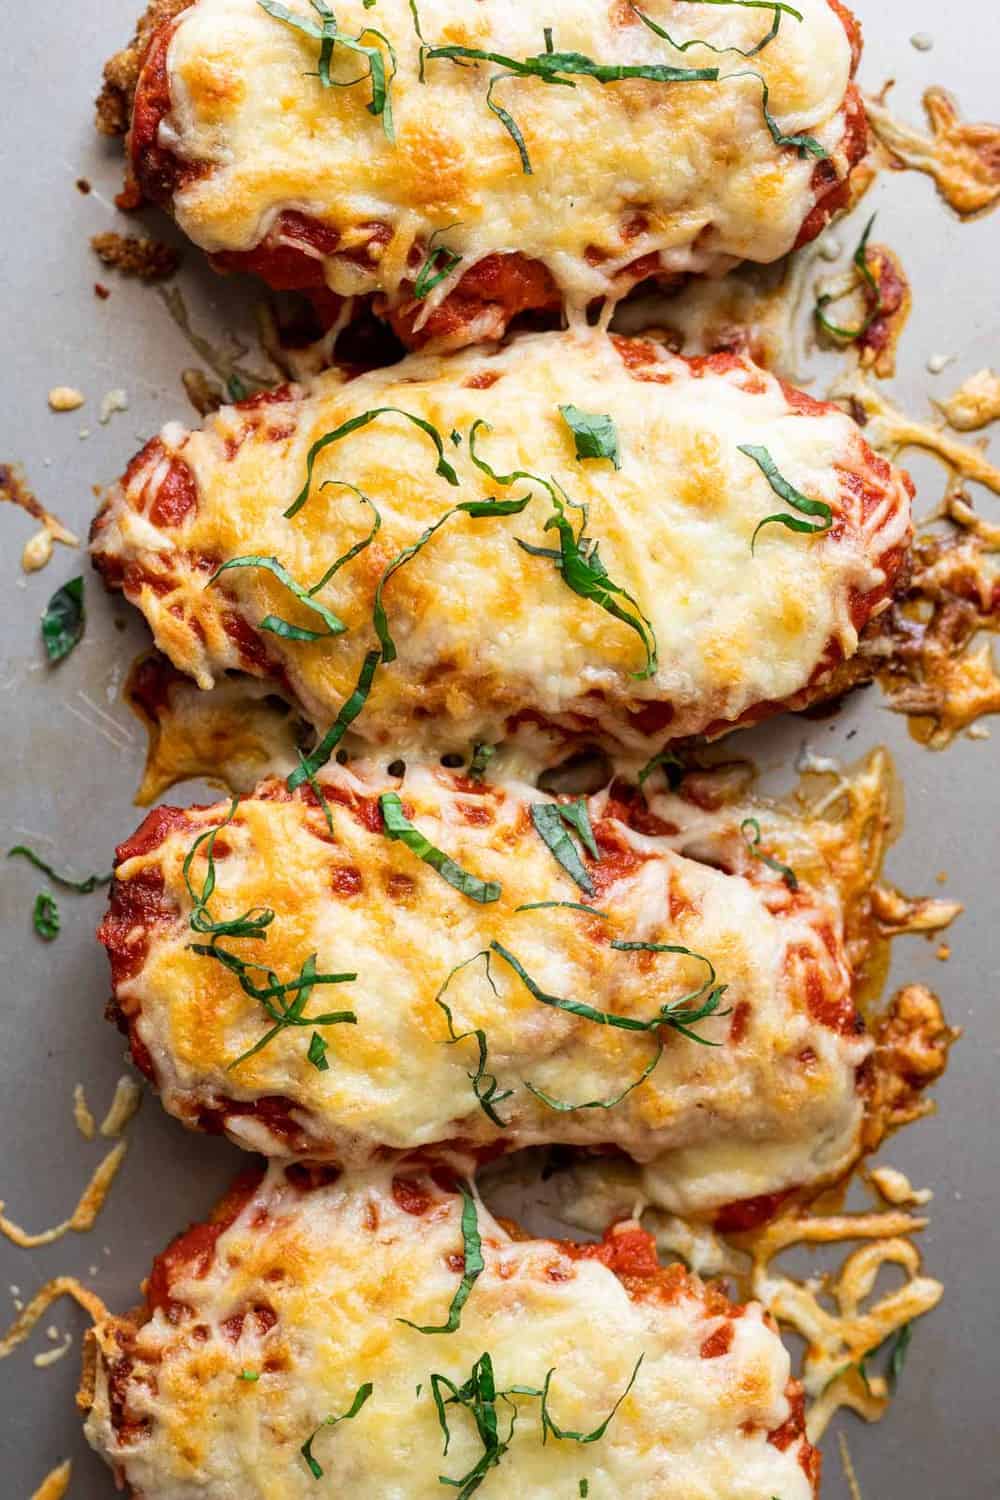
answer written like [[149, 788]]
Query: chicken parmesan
[[466, 164], [383, 1332], [378, 962], [579, 531]]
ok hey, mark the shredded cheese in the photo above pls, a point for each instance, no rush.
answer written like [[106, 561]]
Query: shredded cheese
[[126, 1101], [82, 1217], [82, 1116], [59, 1286], [55, 1484], [963, 160]]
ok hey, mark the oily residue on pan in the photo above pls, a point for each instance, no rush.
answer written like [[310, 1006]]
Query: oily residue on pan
[[14, 487], [963, 159]]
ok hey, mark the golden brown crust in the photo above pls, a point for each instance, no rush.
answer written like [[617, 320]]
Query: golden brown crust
[[912, 1044], [121, 72]]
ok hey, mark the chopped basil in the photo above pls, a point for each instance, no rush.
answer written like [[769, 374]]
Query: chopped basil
[[318, 757], [584, 1489], [787, 492], [550, 820], [564, 1434], [561, 68], [472, 1248], [672, 765], [366, 541], [774, 6], [317, 1053], [45, 916], [329, 37], [479, 1397], [750, 829], [549, 825], [870, 288], [317, 790], [360, 1397], [63, 620], [249, 1375], [805, 145], [252, 923], [680, 1014], [477, 510], [594, 436], [353, 424], [83, 887], [591, 911], [576, 558], [564, 1107], [437, 267], [481, 757], [484, 1085], [272, 995], [398, 826], [897, 1356], [274, 623]]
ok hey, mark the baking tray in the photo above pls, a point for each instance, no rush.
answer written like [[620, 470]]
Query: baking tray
[[74, 754]]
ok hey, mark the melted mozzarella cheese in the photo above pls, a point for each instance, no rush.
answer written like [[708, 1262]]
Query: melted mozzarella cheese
[[484, 630], [771, 1104], [338, 1267], [686, 171]]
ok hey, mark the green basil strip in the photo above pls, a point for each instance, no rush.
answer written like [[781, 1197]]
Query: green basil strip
[[45, 916], [354, 424], [680, 1014], [672, 765], [550, 825], [317, 790], [484, 1085], [251, 1376], [805, 145], [750, 829], [472, 1247], [273, 623], [548, 66], [476, 509], [559, 68], [481, 757], [422, 49], [83, 887], [398, 826], [63, 620], [318, 758], [900, 1349], [479, 1396], [584, 1489], [594, 436], [790, 495], [252, 923], [360, 1397], [577, 815], [870, 287], [564, 1434], [591, 911], [329, 37], [564, 1107], [366, 541], [577, 557], [282, 1014], [582, 569], [437, 267], [317, 1053], [777, 9], [684, 1013]]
